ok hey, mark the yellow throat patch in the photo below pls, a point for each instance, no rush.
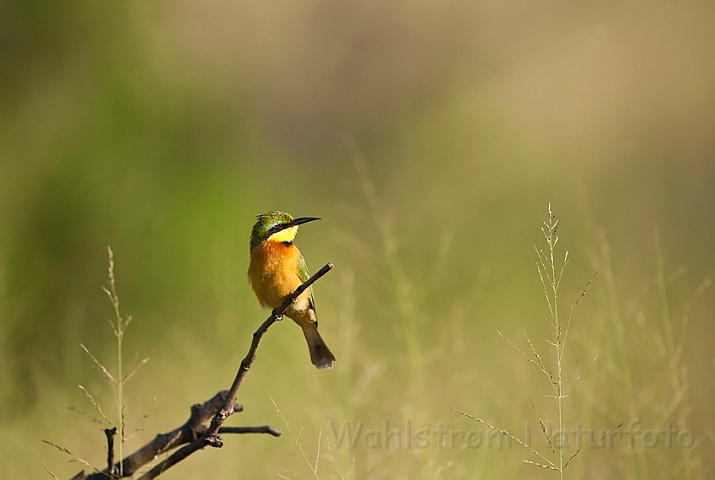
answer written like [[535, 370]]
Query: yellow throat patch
[[286, 235]]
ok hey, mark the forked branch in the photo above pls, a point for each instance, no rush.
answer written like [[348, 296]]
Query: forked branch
[[194, 434]]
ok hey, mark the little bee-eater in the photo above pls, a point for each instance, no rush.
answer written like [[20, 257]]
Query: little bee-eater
[[277, 268]]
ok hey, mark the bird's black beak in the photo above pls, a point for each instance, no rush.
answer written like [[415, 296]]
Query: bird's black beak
[[301, 221]]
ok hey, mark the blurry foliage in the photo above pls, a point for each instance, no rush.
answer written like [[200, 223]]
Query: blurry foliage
[[162, 128]]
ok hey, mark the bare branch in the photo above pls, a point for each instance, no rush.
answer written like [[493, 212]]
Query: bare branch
[[162, 443], [194, 432]]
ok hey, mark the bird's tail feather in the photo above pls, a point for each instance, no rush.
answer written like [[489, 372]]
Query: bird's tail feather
[[320, 354]]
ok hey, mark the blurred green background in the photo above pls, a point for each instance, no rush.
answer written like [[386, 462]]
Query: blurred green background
[[163, 128]]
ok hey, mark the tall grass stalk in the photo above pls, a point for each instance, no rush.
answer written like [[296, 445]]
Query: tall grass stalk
[[550, 270], [119, 326], [676, 369], [624, 373], [547, 268], [405, 296], [404, 291], [640, 399]]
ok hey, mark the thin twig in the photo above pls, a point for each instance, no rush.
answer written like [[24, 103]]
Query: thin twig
[[277, 314], [110, 433], [267, 429]]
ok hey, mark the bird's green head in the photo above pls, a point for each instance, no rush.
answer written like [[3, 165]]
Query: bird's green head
[[276, 227]]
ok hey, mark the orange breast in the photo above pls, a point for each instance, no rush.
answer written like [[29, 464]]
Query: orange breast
[[273, 272]]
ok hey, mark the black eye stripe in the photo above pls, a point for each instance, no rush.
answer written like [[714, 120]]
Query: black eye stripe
[[274, 229]]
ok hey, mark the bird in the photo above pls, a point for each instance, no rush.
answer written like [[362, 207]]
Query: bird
[[277, 268]]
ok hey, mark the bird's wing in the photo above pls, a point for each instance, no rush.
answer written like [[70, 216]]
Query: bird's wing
[[304, 275]]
